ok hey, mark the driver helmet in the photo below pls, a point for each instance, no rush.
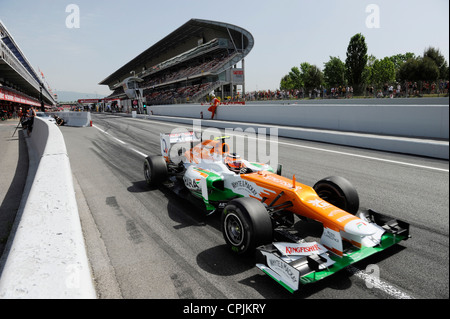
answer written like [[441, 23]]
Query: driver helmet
[[233, 161]]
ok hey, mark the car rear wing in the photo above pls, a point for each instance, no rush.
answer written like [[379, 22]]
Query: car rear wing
[[181, 139]]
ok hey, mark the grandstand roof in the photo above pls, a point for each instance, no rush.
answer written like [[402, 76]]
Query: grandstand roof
[[26, 79], [173, 44]]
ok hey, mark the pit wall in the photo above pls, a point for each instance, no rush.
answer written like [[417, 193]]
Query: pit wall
[[411, 129], [80, 119], [47, 257], [425, 121]]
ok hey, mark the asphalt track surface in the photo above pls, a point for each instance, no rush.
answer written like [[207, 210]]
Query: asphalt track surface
[[13, 175], [148, 243]]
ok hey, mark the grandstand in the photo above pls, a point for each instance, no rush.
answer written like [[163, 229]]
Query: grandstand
[[199, 57], [20, 85]]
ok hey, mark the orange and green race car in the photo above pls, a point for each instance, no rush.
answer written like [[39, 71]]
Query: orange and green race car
[[257, 206]]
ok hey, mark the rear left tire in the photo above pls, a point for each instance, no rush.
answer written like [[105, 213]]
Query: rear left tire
[[155, 170]]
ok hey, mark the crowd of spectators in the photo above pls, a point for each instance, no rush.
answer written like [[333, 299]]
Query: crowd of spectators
[[293, 94], [155, 91], [395, 90], [335, 92], [184, 72], [168, 86], [173, 95], [409, 89]]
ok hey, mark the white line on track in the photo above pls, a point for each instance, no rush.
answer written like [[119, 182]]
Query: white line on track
[[366, 157], [378, 283], [120, 141], [140, 153], [343, 153]]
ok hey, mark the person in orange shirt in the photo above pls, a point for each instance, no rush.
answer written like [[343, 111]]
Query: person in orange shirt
[[214, 104]]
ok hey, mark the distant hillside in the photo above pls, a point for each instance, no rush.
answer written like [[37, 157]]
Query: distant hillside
[[67, 96]]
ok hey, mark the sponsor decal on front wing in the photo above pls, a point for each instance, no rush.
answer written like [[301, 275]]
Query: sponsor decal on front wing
[[302, 249], [287, 274]]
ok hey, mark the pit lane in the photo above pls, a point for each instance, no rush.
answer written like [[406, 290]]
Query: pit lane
[[150, 244]]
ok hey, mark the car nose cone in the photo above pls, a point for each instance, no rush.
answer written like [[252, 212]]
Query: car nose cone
[[360, 228]]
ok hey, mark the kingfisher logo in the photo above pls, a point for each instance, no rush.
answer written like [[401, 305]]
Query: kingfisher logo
[[302, 250]]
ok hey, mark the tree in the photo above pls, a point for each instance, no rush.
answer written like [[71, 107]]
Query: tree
[[368, 70], [334, 72], [356, 61], [292, 80], [304, 69], [296, 78], [409, 71], [312, 78], [428, 70], [307, 76], [383, 71], [286, 83], [419, 69], [436, 56], [398, 60]]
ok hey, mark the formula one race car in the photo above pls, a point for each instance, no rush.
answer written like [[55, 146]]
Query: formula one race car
[[257, 207]]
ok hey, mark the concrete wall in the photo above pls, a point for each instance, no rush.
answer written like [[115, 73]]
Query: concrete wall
[[428, 121], [47, 256], [411, 129], [80, 119]]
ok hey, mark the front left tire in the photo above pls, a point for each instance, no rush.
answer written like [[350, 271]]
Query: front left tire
[[339, 192], [246, 225]]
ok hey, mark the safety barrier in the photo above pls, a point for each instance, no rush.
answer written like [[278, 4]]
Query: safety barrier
[[80, 119], [47, 257], [425, 121], [412, 129]]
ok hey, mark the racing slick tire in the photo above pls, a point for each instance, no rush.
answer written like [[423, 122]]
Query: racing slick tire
[[155, 170], [339, 192], [246, 224]]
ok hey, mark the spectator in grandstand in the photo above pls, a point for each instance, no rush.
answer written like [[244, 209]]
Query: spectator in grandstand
[[214, 104]]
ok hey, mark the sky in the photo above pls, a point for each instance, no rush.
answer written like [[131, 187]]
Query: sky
[[286, 32]]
